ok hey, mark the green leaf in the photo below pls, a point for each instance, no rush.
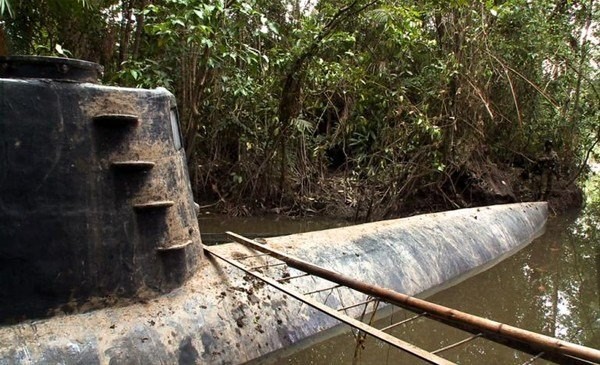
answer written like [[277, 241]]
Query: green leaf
[[177, 22], [199, 13], [5, 7], [273, 28]]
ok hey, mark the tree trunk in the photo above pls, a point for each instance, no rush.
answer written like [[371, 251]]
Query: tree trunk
[[139, 30], [126, 25], [3, 45], [289, 109]]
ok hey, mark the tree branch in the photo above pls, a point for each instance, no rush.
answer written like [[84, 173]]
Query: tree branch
[[536, 87], [585, 160]]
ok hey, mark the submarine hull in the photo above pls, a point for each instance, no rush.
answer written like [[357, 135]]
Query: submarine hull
[[223, 316]]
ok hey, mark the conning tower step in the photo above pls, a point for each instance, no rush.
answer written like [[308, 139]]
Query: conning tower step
[[132, 165], [153, 205], [116, 120], [177, 246]]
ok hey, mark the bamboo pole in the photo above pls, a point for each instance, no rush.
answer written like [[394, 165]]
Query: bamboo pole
[[464, 320]]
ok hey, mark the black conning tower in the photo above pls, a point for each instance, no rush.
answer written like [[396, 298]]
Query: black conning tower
[[95, 199]]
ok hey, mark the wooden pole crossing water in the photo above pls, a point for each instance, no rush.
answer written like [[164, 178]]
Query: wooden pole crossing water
[[546, 347]]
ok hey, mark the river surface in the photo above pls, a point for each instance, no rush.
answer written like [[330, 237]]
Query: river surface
[[552, 286], [213, 227]]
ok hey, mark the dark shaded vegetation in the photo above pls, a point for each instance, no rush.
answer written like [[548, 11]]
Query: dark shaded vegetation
[[366, 109]]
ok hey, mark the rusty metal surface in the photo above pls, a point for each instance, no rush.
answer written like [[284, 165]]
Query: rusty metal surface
[[222, 316]]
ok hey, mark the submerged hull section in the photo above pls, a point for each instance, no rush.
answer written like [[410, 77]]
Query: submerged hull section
[[221, 316]]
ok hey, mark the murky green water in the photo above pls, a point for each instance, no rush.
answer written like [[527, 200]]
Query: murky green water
[[212, 227]]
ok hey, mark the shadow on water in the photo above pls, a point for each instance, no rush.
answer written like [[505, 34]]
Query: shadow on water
[[551, 287]]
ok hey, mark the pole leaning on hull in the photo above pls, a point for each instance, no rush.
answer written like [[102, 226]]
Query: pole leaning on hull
[[550, 348], [389, 339]]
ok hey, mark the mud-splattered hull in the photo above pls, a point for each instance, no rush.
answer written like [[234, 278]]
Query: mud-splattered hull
[[221, 316]]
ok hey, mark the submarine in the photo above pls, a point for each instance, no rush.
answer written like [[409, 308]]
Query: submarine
[[101, 259]]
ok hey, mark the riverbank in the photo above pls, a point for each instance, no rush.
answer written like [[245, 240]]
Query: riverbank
[[346, 197]]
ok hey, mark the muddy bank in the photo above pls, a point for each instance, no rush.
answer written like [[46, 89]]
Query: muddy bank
[[478, 183]]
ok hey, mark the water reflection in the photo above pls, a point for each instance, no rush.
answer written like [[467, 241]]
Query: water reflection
[[551, 287]]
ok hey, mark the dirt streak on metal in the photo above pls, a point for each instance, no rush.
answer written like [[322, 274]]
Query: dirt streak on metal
[[220, 315]]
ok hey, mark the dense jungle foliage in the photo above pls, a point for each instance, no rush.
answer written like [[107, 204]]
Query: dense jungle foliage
[[360, 107]]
